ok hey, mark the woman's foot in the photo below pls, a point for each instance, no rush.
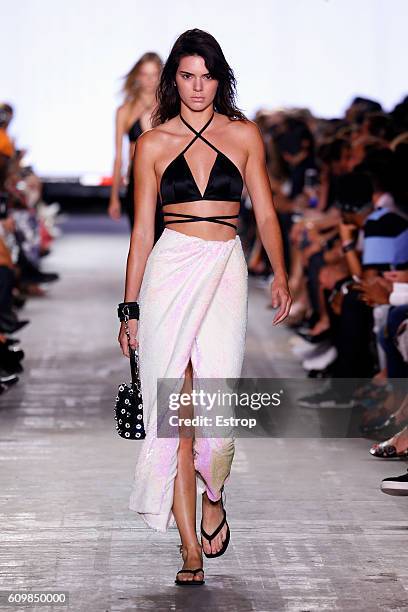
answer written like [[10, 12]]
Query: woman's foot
[[380, 411], [212, 515], [395, 446], [193, 559], [321, 326], [401, 414]]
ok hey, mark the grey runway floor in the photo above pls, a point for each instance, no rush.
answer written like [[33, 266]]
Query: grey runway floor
[[311, 530]]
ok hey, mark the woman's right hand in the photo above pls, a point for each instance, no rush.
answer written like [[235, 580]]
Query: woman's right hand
[[124, 341], [114, 208]]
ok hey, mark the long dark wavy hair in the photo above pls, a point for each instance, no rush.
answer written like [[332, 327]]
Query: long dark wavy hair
[[196, 42]]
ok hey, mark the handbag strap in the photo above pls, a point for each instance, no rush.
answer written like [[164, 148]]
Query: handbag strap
[[134, 368]]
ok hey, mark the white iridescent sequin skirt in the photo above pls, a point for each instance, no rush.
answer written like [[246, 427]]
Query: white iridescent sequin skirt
[[193, 304]]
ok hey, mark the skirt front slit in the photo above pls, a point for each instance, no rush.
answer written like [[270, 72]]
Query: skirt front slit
[[193, 305]]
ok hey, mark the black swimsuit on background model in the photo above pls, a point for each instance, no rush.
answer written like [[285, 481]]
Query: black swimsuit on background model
[[133, 133], [177, 185]]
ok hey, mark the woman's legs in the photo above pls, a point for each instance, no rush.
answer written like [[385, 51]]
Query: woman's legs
[[184, 502]]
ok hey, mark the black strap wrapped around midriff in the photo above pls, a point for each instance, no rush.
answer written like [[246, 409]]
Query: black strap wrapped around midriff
[[192, 218]]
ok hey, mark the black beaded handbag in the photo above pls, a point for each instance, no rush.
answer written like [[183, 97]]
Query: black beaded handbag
[[129, 404]]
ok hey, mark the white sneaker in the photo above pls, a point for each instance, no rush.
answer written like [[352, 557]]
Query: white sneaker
[[303, 349], [311, 351], [322, 360], [396, 485]]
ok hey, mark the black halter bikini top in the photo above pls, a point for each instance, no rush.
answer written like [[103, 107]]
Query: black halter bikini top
[[135, 131], [177, 184]]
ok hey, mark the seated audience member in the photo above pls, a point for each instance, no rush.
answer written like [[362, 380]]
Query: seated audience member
[[20, 248]]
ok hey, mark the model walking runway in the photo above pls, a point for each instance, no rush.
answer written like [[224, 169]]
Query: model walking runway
[[205, 320]]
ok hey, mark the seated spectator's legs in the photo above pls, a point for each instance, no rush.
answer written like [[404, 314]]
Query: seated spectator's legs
[[6, 287], [396, 366], [285, 220], [353, 338], [380, 314], [316, 262], [329, 275]]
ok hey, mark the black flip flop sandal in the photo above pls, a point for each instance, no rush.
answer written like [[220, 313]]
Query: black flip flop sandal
[[190, 582], [215, 533]]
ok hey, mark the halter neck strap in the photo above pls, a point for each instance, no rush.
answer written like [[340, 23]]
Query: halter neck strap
[[192, 129], [198, 134]]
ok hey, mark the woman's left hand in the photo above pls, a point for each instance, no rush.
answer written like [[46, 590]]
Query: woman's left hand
[[281, 299]]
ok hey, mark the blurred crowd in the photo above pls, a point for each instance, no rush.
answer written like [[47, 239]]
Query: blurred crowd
[[27, 231], [341, 190]]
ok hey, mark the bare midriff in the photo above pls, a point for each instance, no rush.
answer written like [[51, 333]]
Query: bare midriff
[[207, 230]]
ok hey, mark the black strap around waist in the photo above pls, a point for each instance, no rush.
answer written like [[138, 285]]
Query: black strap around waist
[[192, 218]]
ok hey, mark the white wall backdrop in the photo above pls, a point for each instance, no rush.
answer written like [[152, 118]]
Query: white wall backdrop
[[62, 62]]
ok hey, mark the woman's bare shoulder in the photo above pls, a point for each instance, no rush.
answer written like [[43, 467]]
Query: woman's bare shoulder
[[123, 110], [246, 128], [246, 133]]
